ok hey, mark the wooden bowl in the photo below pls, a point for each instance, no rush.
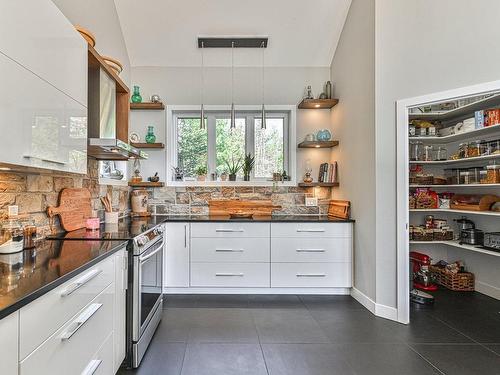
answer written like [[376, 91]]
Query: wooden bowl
[[113, 64], [87, 35]]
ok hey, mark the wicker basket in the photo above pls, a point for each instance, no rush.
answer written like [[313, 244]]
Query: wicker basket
[[458, 282]]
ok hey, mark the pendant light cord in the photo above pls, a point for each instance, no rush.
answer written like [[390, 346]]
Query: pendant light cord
[[202, 72], [232, 72], [262, 46]]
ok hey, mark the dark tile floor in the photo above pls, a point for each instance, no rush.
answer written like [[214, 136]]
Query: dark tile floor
[[322, 335]]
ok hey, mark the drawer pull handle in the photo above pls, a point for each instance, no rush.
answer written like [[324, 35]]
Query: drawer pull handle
[[60, 162], [229, 250], [311, 230], [311, 275], [80, 282], [92, 367], [81, 320], [229, 274], [310, 250], [229, 230]]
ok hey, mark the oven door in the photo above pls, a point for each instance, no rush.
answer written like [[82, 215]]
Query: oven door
[[148, 287]]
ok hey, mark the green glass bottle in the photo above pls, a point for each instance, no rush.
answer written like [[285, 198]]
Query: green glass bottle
[[150, 136], [136, 96]]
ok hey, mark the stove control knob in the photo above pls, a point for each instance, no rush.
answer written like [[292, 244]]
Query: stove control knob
[[141, 241], [159, 230]]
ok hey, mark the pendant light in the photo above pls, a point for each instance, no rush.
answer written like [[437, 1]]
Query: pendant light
[[263, 114], [233, 116], [202, 110]]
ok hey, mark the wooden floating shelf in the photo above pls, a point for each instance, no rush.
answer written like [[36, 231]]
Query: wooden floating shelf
[[478, 249], [318, 144], [147, 106], [321, 184], [318, 103], [147, 145], [146, 184]]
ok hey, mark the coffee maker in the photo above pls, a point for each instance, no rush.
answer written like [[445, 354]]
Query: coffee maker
[[421, 278]]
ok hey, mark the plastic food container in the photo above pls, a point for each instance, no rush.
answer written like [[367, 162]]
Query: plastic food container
[[493, 174], [466, 178], [11, 237], [416, 151]]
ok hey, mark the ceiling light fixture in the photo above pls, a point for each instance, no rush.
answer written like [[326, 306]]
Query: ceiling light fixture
[[263, 114], [202, 110], [233, 116]]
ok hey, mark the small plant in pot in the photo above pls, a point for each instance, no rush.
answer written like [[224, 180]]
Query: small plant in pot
[[233, 167], [248, 165], [201, 171]]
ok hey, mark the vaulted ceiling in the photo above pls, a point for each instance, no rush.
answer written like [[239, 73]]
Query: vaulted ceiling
[[164, 32]]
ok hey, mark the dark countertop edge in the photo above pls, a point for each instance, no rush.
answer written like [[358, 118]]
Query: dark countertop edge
[[274, 219], [54, 284]]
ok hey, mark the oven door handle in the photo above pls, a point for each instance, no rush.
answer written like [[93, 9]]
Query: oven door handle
[[142, 259]]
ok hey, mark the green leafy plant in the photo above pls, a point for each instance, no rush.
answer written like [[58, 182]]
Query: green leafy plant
[[201, 170], [248, 165], [233, 166]]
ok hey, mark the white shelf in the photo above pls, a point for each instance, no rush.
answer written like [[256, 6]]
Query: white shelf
[[456, 244], [460, 136], [448, 210], [458, 112], [413, 186], [475, 159]]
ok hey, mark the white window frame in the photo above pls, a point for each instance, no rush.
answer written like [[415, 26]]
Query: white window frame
[[248, 111]]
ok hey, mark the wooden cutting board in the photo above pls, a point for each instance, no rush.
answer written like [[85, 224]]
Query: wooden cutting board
[[74, 208], [339, 209], [231, 206]]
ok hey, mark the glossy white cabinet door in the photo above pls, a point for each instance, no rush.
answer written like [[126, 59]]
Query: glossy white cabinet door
[[233, 229], [311, 230], [311, 275], [38, 36], [317, 250], [239, 250], [177, 255], [230, 275], [41, 126], [119, 311], [9, 343]]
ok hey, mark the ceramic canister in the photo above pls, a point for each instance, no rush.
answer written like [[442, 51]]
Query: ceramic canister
[[139, 201]]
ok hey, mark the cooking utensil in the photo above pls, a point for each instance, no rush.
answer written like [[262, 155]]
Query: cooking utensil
[[74, 208]]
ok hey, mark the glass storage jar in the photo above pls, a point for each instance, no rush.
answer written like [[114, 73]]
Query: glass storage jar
[[463, 150], [452, 176], [11, 237], [475, 149], [428, 153], [494, 147], [493, 174], [466, 178], [416, 151], [441, 153], [483, 176]]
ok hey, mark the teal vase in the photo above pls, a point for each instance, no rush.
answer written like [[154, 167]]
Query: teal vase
[[150, 136], [136, 96]]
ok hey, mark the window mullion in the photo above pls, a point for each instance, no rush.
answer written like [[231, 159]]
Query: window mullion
[[211, 143], [250, 137]]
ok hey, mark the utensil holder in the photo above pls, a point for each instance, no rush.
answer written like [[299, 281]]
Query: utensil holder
[[111, 217]]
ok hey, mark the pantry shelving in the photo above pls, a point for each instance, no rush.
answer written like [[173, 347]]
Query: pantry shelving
[[475, 159], [417, 186], [458, 136], [451, 211], [457, 244]]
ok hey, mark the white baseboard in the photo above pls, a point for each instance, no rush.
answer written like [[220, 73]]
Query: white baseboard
[[489, 290], [324, 291], [377, 309]]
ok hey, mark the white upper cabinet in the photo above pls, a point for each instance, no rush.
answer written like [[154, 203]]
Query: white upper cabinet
[[35, 34], [43, 101]]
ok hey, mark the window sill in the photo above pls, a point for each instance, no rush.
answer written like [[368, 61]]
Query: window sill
[[229, 183], [113, 182]]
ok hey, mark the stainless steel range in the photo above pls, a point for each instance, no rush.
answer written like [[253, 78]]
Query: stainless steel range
[[145, 292]]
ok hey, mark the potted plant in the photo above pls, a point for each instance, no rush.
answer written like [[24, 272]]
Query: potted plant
[[201, 171], [223, 176], [247, 167], [233, 168]]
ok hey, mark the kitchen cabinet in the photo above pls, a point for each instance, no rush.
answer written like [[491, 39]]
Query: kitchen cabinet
[[177, 255], [9, 341], [119, 339]]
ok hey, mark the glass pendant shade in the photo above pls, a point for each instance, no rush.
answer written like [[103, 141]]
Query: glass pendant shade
[[233, 117], [202, 117], [263, 118]]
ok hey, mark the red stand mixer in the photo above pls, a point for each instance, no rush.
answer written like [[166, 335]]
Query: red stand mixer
[[421, 277]]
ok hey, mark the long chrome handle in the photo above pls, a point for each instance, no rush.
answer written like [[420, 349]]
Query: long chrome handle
[[230, 274], [311, 230], [185, 235], [311, 275], [80, 282], [142, 259], [229, 250], [92, 367], [310, 250], [229, 230], [45, 159], [81, 320]]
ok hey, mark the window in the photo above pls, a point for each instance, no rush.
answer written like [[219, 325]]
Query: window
[[218, 144]]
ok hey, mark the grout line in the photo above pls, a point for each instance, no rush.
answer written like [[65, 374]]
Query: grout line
[[258, 338], [183, 358], [425, 359]]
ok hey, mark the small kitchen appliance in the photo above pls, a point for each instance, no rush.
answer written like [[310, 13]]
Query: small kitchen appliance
[[492, 241], [421, 278], [469, 235]]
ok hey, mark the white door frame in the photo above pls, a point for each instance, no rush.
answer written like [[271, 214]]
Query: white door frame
[[402, 176]]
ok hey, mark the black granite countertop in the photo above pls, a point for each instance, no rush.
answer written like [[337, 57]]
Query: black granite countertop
[[158, 219], [29, 274]]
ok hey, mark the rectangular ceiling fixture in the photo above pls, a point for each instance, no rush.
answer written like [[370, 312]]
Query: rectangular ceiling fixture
[[227, 41]]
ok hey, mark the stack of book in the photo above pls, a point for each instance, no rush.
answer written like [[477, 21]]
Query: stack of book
[[328, 172]]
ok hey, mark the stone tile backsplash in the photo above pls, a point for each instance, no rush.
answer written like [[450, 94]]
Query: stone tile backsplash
[[194, 200]]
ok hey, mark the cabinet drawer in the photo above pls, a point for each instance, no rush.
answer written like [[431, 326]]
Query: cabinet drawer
[[230, 229], [60, 304], [70, 349], [230, 250], [101, 362], [230, 275], [315, 275], [311, 229], [311, 250]]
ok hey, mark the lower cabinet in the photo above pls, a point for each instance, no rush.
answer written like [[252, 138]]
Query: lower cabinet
[[259, 255], [9, 343]]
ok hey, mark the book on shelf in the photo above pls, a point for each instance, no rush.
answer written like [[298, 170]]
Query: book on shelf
[[328, 172]]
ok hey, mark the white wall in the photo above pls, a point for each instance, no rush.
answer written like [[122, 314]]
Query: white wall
[[181, 86], [353, 75], [422, 47], [99, 17]]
